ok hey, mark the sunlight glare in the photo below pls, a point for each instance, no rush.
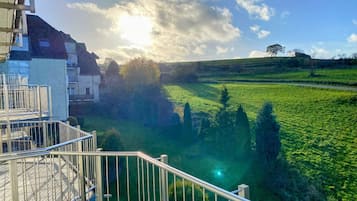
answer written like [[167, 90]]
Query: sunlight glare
[[136, 29]]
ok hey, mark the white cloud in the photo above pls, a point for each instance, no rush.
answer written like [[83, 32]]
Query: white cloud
[[221, 50], [255, 28], [91, 7], [200, 50], [180, 29], [258, 54], [263, 34], [352, 38], [260, 32], [320, 53], [354, 21], [261, 11], [284, 14]]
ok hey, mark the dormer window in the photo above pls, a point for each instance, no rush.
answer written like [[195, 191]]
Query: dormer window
[[44, 43]]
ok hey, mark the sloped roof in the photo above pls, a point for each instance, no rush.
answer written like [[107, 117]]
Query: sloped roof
[[45, 41], [87, 61]]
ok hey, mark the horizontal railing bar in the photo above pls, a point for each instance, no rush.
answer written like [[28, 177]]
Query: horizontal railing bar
[[97, 153], [206, 185], [68, 142], [20, 155], [46, 121]]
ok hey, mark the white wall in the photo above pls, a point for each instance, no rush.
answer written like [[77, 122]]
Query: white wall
[[89, 81], [52, 72]]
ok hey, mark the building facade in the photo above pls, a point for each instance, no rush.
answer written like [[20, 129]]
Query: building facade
[[42, 59], [83, 72]]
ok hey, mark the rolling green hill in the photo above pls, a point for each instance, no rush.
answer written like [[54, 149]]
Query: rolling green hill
[[322, 76], [292, 69]]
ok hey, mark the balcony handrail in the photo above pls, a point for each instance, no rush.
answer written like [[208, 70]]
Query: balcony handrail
[[226, 194], [47, 151], [38, 151], [29, 99], [63, 135]]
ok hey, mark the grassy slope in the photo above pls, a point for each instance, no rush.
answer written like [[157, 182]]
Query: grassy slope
[[342, 76], [190, 158], [319, 133]]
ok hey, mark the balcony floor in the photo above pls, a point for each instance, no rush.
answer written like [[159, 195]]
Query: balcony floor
[[40, 179]]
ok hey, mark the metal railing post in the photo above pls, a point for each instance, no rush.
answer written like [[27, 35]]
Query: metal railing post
[[243, 190], [39, 106], [13, 180], [44, 128], [6, 106], [82, 190], [66, 137], [99, 181], [94, 133], [49, 100], [164, 183]]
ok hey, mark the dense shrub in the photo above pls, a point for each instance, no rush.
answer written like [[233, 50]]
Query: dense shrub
[[198, 192], [73, 121]]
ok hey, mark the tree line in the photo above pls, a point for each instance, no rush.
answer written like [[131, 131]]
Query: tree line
[[230, 133]]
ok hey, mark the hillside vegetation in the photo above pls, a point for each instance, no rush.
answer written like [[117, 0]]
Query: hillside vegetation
[[292, 69], [323, 76], [319, 134]]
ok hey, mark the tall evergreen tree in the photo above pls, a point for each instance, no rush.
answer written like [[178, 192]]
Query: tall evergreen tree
[[267, 134], [204, 128], [187, 121], [243, 131], [224, 97]]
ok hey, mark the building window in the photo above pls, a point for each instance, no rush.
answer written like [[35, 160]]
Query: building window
[[87, 91], [44, 43], [71, 91]]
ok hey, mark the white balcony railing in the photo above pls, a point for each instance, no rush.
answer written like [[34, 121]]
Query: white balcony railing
[[24, 102], [72, 168], [13, 80], [20, 101], [39, 135]]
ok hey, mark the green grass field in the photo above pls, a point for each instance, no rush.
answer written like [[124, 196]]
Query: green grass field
[[327, 76], [191, 158], [318, 126]]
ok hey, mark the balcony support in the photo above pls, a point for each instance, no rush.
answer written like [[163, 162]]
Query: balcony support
[[94, 133], [44, 128], [82, 187], [13, 180], [243, 190], [164, 179], [49, 96], [6, 106], [12, 6], [99, 181]]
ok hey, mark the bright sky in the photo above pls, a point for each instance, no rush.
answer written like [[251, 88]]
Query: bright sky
[[176, 30]]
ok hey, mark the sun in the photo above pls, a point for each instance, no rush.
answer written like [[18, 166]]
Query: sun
[[136, 30]]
